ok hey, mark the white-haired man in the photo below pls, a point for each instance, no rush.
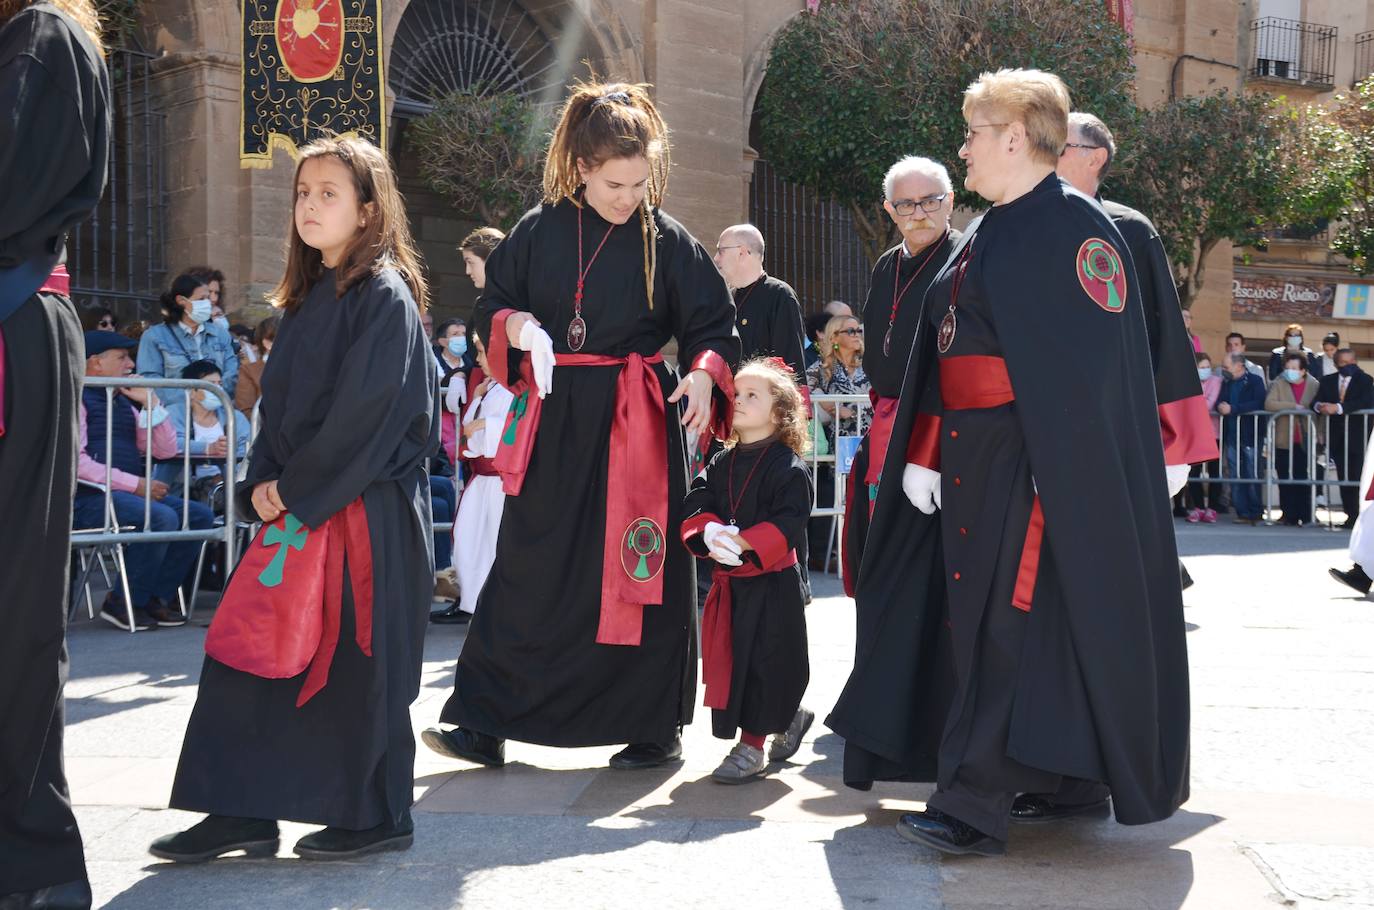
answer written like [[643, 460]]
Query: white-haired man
[[767, 313], [919, 198]]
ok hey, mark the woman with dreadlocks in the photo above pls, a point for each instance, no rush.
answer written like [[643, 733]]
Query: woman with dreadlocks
[[586, 627]]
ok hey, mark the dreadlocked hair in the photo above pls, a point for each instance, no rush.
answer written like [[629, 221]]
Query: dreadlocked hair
[[605, 120], [789, 411]]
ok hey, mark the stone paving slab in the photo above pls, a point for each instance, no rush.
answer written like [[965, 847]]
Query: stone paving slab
[[1283, 730]]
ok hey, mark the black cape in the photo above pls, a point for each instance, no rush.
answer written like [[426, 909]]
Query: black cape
[[768, 317], [54, 150], [885, 363], [1102, 690], [768, 619], [531, 668], [348, 410]]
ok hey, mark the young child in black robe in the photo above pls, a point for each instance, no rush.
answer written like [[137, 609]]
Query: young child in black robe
[[348, 419], [747, 512]]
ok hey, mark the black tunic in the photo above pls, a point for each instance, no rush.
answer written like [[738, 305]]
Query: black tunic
[[531, 668], [1092, 681], [768, 316], [348, 409], [54, 147], [768, 619], [885, 363]]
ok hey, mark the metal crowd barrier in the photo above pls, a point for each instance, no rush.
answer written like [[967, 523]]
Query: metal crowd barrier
[[112, 533], [836, 460], [1256, 450]]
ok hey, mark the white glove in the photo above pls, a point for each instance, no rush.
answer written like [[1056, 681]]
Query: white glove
[[457, 393], [540, 347], [723, 549], [1176, 475], [922, 487]]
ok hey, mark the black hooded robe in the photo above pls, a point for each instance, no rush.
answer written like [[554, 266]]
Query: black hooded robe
[[54, 149], [1088, 677], [531, 668], [348, 410]]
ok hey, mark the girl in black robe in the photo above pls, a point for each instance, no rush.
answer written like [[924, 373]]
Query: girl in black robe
[[747, 511], [348, 411], [595, 281]]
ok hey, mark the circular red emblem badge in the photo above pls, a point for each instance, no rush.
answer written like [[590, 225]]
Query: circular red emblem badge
[[1102, 274], [310, 37], [641, 550]]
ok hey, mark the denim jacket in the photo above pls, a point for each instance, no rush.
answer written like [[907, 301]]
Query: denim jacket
[[165, 350]]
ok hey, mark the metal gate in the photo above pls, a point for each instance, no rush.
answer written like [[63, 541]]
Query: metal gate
[[811, 242], [116, 256]]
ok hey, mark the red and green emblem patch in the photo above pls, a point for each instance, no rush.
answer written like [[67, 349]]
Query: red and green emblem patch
[[1102, 274], [642, 551]]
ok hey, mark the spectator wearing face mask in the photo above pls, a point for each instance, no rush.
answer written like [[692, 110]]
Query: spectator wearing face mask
[[1295, 389], [1202, 494], [1242, 438], [1292, 344], [1340, 396], [1331, 343], [186, 335], [249, 389], [203, 428]]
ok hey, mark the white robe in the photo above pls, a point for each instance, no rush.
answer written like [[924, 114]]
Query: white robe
[[479, 511], [1362, 538]]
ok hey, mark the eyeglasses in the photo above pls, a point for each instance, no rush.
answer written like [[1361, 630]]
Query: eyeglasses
[[928, 204], [1077, 145], [851, 332], [737, 246], [972, 131], [106, 324]]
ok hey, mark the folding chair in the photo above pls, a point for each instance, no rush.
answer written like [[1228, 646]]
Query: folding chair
[[91, 555]]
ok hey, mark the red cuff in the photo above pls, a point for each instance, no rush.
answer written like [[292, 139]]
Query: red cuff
[[723, 411], [1187, 431], [923, 448], [696, 526], [498, 347], [768, 543]]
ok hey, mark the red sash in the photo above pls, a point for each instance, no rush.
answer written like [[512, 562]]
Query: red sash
[[281, 613], [717, 644], [879, 435], [59, 282]]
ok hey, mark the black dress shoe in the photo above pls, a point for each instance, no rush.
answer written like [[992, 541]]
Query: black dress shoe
[[72, 895], [1348, 524], [216, 835], [1031, 808], [343, 843], [469, 745], [647, 755], [947, 834], [1354, 577], [449, 616]]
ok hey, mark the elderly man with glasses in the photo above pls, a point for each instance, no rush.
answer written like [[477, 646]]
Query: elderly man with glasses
[[767, 312], [1028, 639]]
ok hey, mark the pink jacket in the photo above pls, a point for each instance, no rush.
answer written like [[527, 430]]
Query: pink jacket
[[164, 446]]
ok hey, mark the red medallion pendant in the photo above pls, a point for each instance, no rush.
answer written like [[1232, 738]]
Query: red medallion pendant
[[887, 343], [577, 334], [948, 326]]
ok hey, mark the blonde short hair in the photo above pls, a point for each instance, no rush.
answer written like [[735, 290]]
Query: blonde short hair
[[1034, 98]]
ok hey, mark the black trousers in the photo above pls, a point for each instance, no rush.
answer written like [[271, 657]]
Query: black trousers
[[1348, 453], [1294, 499], [44, 362]]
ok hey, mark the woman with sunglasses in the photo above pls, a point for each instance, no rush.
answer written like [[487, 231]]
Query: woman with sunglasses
[[840, 371]]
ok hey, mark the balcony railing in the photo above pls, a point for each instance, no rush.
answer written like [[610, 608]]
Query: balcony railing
[[1364, 57], [1292, 50]]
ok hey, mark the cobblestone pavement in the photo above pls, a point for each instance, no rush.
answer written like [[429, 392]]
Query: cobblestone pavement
[[1283, 762]]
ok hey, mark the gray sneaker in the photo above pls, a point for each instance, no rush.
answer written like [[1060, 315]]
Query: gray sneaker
[[743, 764], [785, 745]]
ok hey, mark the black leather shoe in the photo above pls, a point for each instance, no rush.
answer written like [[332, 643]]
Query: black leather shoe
[[647, 755], [469, 745], [1031, 808], [342, 843], [72, 895], [449, 616], [1354, 577], [947, 834], [216, 835]]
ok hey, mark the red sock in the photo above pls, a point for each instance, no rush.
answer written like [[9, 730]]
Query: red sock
[[752, 739]]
